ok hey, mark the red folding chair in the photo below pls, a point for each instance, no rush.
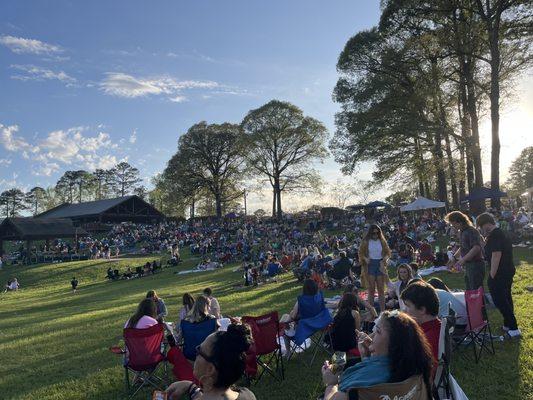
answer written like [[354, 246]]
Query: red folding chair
[[478, 328], [144, 358], [266, 347]]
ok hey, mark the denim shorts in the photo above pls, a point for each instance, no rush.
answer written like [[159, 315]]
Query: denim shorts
[[374, 267]]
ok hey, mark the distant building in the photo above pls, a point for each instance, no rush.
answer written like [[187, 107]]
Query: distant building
[[120, 209]]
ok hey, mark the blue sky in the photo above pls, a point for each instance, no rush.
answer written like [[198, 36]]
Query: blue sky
[[85, 84]]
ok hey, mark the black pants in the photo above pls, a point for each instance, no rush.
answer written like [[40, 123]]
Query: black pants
[[500, 290], [474, 274]]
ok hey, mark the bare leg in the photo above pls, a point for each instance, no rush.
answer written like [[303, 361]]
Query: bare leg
[[380, 280], [371, 288]]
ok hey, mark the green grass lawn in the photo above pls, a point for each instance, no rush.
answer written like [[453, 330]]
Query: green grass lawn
[[54, 345]]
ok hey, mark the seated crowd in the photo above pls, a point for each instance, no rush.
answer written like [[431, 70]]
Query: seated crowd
[[149, 268]]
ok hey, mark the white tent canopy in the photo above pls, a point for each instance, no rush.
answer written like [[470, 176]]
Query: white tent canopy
[[421, 203]]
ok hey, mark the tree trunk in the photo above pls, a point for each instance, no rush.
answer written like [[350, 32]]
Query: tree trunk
[[474, 124], [438, 155], [452, 170], [495, 107], [218, 205], [193, 205], [469, 118], [462, 172], [421, 188], [279, 212], [420, 168], [273, 202]]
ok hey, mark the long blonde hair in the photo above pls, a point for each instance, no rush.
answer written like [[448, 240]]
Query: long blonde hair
[[199, 310], [363, 248]]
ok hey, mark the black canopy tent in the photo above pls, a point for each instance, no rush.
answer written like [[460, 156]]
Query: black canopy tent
[[31, 229], [483, 193]]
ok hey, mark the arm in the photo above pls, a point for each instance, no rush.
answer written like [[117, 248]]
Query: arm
[[178, 389], [331, 381], [357, 319], [391, 288], [471, 254], [294, 312], [370, 308], [332, 393], [163, 312], [495, 263]]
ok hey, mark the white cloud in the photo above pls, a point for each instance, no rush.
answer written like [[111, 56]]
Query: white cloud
[[124, 85], [11, 141], [33, 73], [105, 162], [46, 169], [133, 138], [178, 99], [5, 161], [21, 45], [74, 146]]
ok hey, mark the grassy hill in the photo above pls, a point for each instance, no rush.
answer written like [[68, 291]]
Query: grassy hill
[[54, 345]]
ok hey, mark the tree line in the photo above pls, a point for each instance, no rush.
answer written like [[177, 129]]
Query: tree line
[[413, 89], [74, 187], [214, 164]]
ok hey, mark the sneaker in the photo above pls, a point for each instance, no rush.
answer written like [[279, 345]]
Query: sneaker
[[505, 328], [514, 334]]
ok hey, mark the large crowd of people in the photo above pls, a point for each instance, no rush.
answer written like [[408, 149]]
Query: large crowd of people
[[388, 330]]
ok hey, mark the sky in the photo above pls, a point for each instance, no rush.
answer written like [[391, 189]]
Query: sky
[[86, 84]]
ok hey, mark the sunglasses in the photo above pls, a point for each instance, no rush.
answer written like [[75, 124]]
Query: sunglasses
[[207, 358]]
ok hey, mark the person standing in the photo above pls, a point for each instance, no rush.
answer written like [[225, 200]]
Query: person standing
[[74, 284], [374, 254], [499, 256], [470, 253]]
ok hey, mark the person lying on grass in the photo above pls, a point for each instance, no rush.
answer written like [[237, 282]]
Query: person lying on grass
[[396, 351], [220, 362]]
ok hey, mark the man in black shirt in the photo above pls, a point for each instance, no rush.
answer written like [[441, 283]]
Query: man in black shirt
[[74, 283], [499, 256]]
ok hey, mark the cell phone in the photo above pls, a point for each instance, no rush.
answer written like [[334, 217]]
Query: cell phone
[[159, 395]]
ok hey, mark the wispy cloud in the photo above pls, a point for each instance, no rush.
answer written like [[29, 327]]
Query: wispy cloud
[[197, 56], [124, 85], [5, 161], [34, 73], [21, 45], [133, 137], [178, 99]]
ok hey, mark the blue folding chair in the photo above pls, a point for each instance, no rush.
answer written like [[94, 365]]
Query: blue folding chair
[[314, 318], [194, 333]]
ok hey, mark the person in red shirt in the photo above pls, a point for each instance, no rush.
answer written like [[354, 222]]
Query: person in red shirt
[[422, 303], [286, 261]]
